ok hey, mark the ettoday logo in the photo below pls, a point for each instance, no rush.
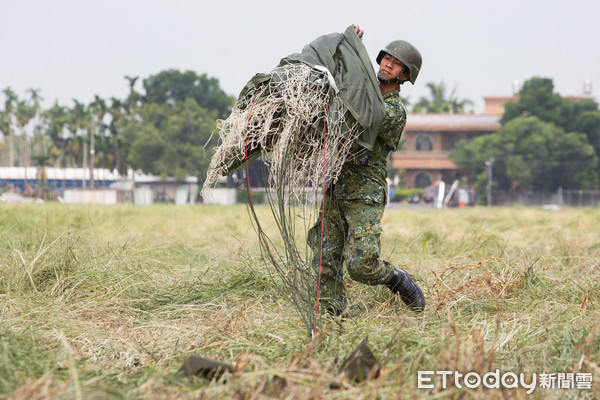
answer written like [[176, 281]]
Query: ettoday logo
[[509, 380]]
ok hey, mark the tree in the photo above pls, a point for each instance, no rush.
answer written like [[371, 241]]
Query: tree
[[98, 110], [172, 86], [178, 112], [133, 98], [439, 103], [24, 113], [545, 142], [35, 97], [4, 125], [57, 118], [39, 143], [116, 110], [588, 122], [79, 126], [6, 117], [530, 154], [171, 140], [537, 98]]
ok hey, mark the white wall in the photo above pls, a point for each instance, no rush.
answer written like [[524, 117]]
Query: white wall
[[225, 197], [105, 197]]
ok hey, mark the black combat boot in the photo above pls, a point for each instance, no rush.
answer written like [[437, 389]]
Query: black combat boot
[[402, 284]]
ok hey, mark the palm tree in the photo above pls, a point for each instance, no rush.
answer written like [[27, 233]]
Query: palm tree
[[34, 96], [80, 124], [57, 118], [458, 106], [4, 123], [6, 117], [39, 143], [439, 103], [98, 110], [24, 114], [134, 97], [116, 125], [72, 140]]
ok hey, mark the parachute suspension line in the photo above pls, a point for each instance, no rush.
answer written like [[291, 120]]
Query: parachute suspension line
[[322, 218], [246, 148], [279, 119], [261, 233]]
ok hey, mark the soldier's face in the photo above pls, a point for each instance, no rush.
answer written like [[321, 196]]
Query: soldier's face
[[391, 67]]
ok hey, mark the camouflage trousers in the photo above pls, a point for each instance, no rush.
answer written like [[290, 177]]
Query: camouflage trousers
[[351, 235]]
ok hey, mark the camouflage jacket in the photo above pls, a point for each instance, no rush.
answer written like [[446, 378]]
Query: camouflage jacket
[[364, 177]]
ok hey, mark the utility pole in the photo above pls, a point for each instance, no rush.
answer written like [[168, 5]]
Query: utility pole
[[489, 164]]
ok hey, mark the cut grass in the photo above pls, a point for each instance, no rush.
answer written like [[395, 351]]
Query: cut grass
[[107, 302]]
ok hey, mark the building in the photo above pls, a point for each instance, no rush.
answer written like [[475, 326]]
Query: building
[[72, 185], [429, 138], [19, 179]]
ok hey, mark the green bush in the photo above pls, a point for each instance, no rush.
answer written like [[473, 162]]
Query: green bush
[[403, 194]]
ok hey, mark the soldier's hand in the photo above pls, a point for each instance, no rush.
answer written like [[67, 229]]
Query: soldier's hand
[[358, 31]]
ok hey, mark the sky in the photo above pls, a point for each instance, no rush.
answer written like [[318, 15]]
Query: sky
[[75, 49]]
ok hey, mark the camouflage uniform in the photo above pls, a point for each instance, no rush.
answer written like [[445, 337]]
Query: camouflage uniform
[[353, 210]]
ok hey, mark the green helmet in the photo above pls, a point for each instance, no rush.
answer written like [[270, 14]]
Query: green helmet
[[405, 52]]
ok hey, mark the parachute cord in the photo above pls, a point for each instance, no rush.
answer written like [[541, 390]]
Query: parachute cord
[[322, 219], [246, 149], [260, 231]]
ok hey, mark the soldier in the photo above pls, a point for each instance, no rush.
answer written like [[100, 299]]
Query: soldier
[[354, 205]]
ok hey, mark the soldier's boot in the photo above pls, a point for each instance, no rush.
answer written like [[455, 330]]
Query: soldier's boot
[[332, 297], [410, 293]]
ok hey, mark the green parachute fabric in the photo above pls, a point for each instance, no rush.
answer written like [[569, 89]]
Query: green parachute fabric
[[346, 58]]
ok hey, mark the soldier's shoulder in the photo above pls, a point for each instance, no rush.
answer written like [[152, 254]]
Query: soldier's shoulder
[[395, 106]]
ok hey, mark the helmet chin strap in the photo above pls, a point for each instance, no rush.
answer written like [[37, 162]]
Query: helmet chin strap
[[397, 80], [382, 79]]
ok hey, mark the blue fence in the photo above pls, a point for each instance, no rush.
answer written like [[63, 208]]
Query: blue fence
[[57, 185]]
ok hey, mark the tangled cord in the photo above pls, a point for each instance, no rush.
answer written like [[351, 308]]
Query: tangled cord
[[296, 122]]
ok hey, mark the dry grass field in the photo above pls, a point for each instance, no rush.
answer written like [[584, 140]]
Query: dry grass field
[[107, 303]]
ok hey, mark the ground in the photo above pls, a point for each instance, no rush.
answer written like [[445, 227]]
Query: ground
[[108, 302]]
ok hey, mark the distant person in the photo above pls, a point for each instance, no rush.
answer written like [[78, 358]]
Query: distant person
[[463, 193]]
